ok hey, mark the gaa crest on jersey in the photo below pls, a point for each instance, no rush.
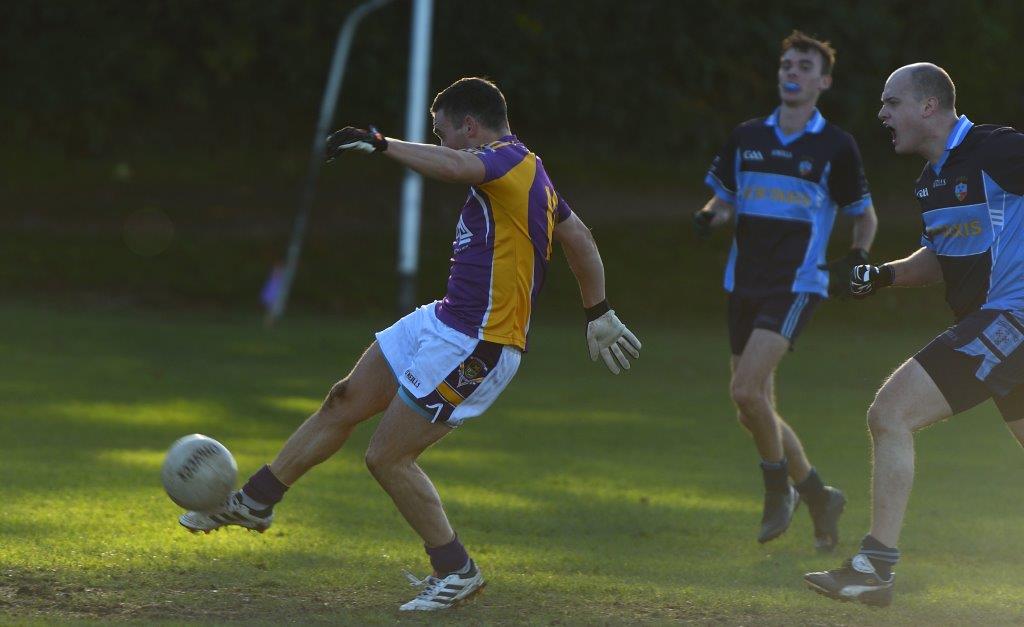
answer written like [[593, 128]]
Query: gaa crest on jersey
[[472, 371], [805, 167], [960, 190]]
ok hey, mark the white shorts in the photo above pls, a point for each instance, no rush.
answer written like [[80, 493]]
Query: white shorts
[[444, 374]]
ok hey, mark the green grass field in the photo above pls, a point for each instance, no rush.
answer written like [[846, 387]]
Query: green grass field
[[585, 498]]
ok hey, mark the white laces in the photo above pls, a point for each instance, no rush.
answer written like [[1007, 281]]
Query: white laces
[[430, 584]]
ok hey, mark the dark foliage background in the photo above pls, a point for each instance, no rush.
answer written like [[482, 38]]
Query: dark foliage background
[[154, 149], [658, 76]]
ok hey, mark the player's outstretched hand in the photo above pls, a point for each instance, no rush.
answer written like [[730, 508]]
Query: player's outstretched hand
[[865, 280], [609, 338], [839, 283], [702, 223], [351, 138]]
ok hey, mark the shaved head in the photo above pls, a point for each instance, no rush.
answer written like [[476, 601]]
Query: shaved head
[[928, 80]]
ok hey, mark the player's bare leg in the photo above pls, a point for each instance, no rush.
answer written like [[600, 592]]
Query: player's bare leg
[[391, 457], [750, 390], [757, 412], [797, 464], [908, 401], [365, 392]]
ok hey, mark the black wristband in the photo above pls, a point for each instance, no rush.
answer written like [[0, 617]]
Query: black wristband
[[886, 276], [598, 310]]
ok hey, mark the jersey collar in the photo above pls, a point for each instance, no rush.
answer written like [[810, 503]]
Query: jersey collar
[[815, 125], [956, 137]]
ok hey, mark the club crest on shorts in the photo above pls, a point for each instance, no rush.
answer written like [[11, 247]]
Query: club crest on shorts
[[960, 191], [472, 371], [805, 167]]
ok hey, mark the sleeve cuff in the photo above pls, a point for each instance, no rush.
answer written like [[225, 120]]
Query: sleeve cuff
[[857, 207], [720, 189]]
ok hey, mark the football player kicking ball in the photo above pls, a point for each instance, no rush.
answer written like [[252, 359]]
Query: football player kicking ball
[[971, 194], [784, 177], [449, 360]]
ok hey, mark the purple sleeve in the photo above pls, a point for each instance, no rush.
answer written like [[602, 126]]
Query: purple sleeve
[[498, 159], [563, 211]]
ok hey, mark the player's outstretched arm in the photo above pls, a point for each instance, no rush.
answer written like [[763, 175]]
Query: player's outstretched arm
[[607, 337], [919, 269], [714, 213], [436, 162]]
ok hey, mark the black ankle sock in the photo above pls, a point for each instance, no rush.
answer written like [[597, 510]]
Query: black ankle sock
[[448, 558], [776, 478], [263, 487], [882, 557], [812, 490]]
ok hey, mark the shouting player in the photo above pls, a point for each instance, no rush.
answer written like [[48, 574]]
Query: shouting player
[[970, 193], [449, 360], [784, 177]]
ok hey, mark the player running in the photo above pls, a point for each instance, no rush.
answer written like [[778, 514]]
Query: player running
[[784, 177], [970, 194], [449, 360]]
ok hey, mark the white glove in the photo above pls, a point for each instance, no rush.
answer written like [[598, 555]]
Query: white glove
[[608, 337]]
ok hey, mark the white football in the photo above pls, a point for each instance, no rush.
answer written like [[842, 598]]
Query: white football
[[199, 473]]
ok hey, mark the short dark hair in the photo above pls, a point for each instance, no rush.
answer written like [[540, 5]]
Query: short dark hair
[[928, 80], [473, 96], [804, 43]]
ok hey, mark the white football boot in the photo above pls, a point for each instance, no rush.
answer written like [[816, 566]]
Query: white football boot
[[440, 593], [233, 512]]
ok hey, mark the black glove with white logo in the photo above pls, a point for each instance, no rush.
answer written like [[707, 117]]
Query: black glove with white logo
[[351, 138], [865, 280], [839, 271]]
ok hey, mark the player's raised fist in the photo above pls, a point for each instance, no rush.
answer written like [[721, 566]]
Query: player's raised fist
[[865, 280], [352, 138]]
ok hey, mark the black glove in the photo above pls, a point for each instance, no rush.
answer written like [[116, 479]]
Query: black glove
[[702, 223], [839, 271], [351, 138], [866, 280]]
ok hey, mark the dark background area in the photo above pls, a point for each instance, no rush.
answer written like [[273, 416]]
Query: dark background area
[[154, 150]]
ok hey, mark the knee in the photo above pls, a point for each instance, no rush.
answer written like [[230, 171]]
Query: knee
[[337, 396], [746, 397], [884, 418], [379, 463]]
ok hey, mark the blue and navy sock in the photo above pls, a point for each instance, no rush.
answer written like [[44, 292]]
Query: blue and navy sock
[[776, 477], [263, 490], [882, 557], [448, 558]]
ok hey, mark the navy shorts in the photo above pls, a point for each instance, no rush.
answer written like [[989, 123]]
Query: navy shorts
[[979, 358], [786, 314]]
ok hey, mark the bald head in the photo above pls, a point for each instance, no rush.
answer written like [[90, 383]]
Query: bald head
[[927, 80]]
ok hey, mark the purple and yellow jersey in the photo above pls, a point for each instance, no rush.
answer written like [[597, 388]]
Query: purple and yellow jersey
[[502, 245]]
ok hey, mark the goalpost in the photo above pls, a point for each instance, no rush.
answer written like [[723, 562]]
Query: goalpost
[[412, 187]]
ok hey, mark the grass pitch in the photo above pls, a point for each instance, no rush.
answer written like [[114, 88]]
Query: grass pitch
[[585, 498]]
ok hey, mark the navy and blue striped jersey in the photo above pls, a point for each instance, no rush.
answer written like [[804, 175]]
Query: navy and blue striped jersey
[[972, 209], [786, 191]]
